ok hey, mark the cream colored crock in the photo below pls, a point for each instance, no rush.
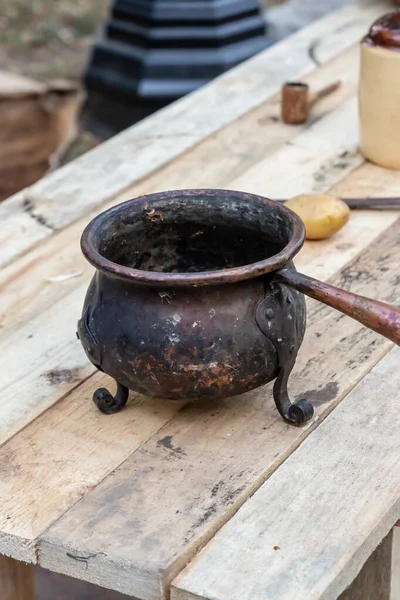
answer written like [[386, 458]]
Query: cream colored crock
[[379, 103]]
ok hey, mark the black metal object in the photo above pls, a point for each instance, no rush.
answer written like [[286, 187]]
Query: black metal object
[[175, 311], [281, 316], [152, 52], [196, 296]]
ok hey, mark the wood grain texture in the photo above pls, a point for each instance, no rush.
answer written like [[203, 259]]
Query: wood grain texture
[[306, 533], [41, 362], [100, 175], [313, 150], [183, 484], [16, 580], [315, 259], [374, 580], [59, 458]]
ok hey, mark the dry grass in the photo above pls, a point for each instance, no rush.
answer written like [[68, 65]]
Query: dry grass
[[48, 39]]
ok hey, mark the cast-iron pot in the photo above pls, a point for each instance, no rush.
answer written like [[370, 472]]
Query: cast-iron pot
[[196, 296]]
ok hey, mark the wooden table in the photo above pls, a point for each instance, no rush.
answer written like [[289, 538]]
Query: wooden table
[[128, 501]]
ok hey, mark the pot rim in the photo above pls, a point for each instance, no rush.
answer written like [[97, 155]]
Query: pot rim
[[89, 242]]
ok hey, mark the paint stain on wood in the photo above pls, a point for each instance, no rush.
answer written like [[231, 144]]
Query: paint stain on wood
[[321, 395], [58, 376], [166, 442]]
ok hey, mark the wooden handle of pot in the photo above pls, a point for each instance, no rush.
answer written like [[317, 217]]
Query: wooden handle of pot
[[378, 316]]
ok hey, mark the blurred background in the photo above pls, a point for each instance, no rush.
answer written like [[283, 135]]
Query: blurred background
[[67, 65]]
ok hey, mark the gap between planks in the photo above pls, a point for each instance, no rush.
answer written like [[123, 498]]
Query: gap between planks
[[100, 175]]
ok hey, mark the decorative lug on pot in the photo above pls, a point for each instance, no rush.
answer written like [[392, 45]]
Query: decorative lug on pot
[[281, 316]]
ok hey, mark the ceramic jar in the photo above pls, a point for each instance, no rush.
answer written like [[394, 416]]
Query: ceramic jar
[[379, 92]]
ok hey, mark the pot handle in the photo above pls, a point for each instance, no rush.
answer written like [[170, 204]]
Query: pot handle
[[378, 316]]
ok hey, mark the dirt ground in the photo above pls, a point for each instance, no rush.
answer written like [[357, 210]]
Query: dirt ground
[[48, 40]]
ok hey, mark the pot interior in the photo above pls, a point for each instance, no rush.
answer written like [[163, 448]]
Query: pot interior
[[191, 235]]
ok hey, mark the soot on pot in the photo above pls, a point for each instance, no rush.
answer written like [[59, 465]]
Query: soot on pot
[[187, 247]]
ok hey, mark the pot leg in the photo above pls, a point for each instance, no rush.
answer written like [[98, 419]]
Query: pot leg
[[281, 316], [296, 413], [109, 404]]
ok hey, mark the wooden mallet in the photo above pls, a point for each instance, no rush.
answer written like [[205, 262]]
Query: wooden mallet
[[296, 100]]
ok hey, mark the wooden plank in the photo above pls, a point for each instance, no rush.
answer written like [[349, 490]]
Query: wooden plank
[[373, 581], [321, 168], [319, 258], [60, 457], [59, 381], [55, 335], [100, 175], [41, 362], [296, 155], [16, 580], [58, 384], [184, 483], [54, 362], [309, 529], [61, 254]]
